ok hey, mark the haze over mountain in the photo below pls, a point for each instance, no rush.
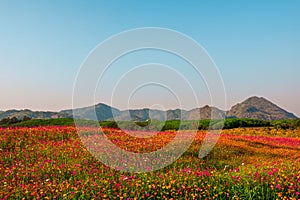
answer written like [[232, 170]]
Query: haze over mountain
[[253, 107], [32, 114], [259, 108]]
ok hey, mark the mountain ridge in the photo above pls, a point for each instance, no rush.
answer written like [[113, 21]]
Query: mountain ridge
[[259, 108], [253, 107]]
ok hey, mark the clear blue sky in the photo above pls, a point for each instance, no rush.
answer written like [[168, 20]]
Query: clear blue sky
[[255, 44]]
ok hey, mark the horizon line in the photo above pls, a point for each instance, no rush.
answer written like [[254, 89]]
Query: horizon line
[[142, 108]]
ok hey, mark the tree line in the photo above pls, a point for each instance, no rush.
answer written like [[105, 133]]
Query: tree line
[[13, 120]]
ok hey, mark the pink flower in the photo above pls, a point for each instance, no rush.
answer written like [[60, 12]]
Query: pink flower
[[200, 174], [275, 170], [123, 178], [206, 172], [277, 186], [270, 173]]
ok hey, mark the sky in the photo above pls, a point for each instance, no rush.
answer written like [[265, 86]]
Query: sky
[[254, 44]]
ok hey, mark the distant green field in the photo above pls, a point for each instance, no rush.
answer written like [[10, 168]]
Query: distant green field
[[160, 125], [46, 122]]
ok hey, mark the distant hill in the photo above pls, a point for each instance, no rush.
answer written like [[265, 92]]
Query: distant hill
[[259, 108], [98, 112], [205, 112], [253, 107], [32, 114], [145, 114]]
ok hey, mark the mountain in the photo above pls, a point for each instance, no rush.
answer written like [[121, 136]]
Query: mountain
[[253, 107], [98, 112], [259, 108], [32, 114], [206, 112], [140, 115], [145, 114]]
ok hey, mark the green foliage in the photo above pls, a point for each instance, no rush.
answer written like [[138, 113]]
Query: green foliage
[[171, 125], [204, 124], [26, 118], [9, 121], [286, 124], [143, 123], [44, 122], [228, 123], [237, 123], [231, 123], [109, 124], [191, 124]]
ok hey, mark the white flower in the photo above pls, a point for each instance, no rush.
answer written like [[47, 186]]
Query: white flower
[[225, 167]]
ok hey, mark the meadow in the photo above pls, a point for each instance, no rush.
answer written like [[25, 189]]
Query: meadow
[[50, 162]]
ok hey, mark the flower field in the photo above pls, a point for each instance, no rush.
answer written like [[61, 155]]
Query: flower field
[[246, 163]]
